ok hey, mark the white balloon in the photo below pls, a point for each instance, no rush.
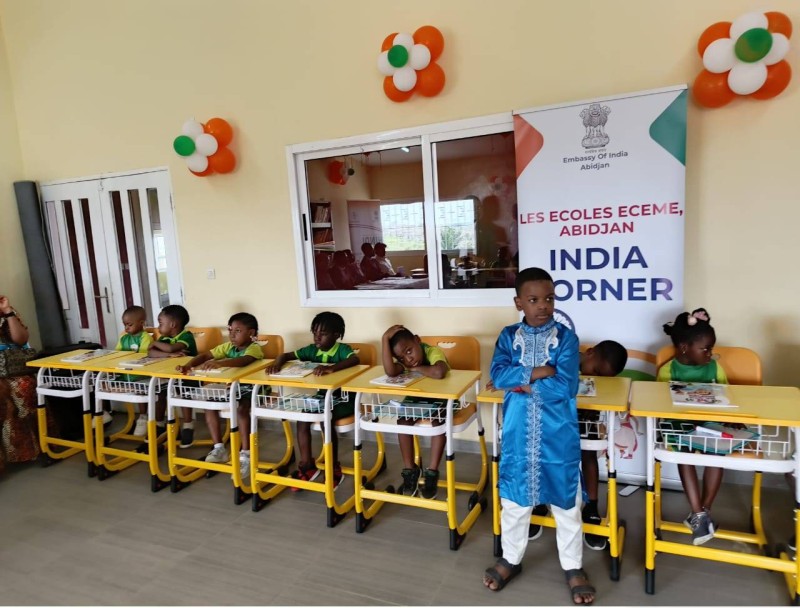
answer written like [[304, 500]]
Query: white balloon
[[420, 57], [192, 128], [746, 78], [719, 56], [384, 66], [206, 144], [780, 46], [197, 162], [405, 79], [407, 40], [748, 22]]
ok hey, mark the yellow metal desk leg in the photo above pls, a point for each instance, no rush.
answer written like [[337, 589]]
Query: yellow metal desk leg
[[613, 526], [650, 543]]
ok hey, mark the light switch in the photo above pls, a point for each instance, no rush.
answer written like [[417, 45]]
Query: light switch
[[211, 274]]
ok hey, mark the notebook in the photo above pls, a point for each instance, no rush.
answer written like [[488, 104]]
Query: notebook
[[296, 369], [402, 380], [92, 354], [697, 394], [138, 362], [587, 387], [716, 438]]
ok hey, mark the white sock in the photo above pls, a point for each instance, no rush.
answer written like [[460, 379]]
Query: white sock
[[161, 424], [188, 425], [244, 453], [219, 445], [143, 417]]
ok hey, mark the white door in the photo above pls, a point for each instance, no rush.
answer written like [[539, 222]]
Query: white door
[[114, 245]]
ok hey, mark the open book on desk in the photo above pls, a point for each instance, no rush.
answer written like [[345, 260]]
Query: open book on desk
[[296, 369], [399, 381], [696, 394], [138, 362], [92, 354], [587, 387]]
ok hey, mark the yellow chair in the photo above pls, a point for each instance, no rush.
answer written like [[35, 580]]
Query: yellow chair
[[367, 353], [271, 344], [206, 338], [462, 352], [154, 333], [741, 365]]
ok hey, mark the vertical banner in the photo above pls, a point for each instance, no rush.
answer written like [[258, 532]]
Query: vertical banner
[[601, 192]]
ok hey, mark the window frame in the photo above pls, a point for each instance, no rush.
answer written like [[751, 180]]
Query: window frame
[[424, 136]]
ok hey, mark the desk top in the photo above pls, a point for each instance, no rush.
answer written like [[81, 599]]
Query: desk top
[[612, 395], [328, 381], [226, 376], [778, 405], [452, 386], [57, 361]]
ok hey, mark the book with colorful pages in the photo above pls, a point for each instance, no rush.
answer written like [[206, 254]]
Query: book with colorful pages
[[138, 362], [697, 394], [399, 381], [296, 369], [587, 387]]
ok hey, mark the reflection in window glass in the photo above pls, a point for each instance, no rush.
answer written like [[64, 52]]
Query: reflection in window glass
[[159, 247], [403, 226]]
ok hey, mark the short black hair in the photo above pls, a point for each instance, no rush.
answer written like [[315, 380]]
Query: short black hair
[[402, 334], [329, 321], [177, 313], [531, 274], [246, 319], [612, 353], [683, 332], [135, 310]]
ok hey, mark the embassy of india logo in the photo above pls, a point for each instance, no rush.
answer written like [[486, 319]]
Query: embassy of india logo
[[594, 120]]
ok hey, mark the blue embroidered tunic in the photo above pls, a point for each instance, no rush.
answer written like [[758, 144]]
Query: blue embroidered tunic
[[541, 451]]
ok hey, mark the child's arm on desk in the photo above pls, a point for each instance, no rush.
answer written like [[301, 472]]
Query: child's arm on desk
[[323, 370], [165, 349], [242, 361], [194, 362], [437, 371], [275, 366]]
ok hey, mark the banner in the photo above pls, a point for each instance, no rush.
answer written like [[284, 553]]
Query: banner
[[601, 193]]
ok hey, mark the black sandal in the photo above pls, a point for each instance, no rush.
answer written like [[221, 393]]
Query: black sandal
[[494, 574], [579, 590]]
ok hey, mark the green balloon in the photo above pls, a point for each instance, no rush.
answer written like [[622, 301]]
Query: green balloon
[[184, 145], [753, 45], [398, 56]]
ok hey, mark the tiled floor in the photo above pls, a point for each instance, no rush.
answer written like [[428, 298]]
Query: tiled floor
[[69, 539]]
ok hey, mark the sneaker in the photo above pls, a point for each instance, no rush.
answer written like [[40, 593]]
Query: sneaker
[[595, 542], [219, 455], [410, 481], [140, 430], [107, 419], [306, 473], [535, 530], [702, 529], [430, 483], [187, 437], [244, 466]]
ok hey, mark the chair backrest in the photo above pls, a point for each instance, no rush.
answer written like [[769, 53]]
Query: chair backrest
[[153, 331], [741, 365], [206, 338], [462, 352], [367, 353], [271, 344]]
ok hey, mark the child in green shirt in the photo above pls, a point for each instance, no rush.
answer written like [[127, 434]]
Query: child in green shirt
[[136, 340]]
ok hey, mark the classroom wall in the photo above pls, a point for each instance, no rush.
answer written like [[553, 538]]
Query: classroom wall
[[105, 86], [15, 282]]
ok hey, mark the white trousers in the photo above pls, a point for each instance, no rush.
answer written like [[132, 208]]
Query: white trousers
[[515, 521]]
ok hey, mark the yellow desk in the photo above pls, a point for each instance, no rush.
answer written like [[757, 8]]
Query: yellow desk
[[757, 405], [223, 397], [292, 406], [612, 396], [114, 383], [458, 417], [72, 381]]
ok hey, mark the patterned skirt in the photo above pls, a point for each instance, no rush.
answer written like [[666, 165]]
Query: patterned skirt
[[19, 437]]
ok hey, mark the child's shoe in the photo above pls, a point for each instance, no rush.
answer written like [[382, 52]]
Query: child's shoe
[[187, 436], [140, 430], [410, 481], [306, 472], [218, 455], [107, 419], [430, 483], [702, 528], [244, 465], [595, 542]]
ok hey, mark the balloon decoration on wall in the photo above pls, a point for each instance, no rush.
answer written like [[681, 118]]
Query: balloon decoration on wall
[[745, 57], [204, 146], [409, 64], [339, 172]]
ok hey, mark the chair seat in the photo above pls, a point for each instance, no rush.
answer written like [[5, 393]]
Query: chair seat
[[460, 417]]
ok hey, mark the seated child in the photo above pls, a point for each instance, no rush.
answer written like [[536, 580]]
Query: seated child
[[401, 351], [694, 339], [240, 351], [135, 339], [536, 362], [326, 328], [175, 341]]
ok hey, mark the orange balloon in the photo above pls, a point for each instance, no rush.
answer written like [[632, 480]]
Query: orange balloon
[[387, 42], [778, 77], [712, 90], [222, 161], [393, 93], [778, 23], [432, 38], [220, 129], [208, 171], [722, 29], [430, 81]]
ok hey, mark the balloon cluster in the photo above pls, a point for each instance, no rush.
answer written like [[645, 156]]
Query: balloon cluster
[[204, 147], [743, 58], [408, 63]]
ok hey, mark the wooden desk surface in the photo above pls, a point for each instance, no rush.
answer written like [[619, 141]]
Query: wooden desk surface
[[452, 386], [328, 381], [115, 366], [774, 405], [226, 376], [612, 395], [57, 361]]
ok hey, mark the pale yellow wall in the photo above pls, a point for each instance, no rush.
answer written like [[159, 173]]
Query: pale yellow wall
[[105, 86], [15, 282]]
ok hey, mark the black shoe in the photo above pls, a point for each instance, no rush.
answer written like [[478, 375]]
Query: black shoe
[[594, 541], [410, 481], [535, 531], [430, 483], [187, 437]]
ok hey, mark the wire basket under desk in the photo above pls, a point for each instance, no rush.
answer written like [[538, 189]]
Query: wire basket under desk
[[770, 443], [127, 384], [435, 411], [298, 402], [193, 390], [63, 379]]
